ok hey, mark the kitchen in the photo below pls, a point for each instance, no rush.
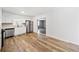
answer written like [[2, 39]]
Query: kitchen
[[29, 29], [13, 24]]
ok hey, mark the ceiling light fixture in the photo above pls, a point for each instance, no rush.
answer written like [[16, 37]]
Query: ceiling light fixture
[[22, 11]]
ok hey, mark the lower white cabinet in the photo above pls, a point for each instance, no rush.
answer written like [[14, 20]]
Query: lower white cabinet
[[20, 30]]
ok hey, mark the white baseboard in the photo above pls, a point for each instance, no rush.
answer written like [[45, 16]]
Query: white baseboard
[[62, 39], [58, 38]]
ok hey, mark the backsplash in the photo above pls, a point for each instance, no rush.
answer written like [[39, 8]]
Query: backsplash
[[5, 25], [12, 25]]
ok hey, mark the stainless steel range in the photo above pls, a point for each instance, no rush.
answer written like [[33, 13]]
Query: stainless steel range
[[6, 33]]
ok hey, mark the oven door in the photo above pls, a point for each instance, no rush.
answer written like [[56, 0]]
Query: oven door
[[9, 32]]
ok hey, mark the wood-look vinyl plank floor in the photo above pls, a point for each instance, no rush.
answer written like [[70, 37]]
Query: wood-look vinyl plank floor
[[33, 43]]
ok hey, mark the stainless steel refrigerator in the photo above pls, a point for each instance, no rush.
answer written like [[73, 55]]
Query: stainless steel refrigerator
[[29, 26]]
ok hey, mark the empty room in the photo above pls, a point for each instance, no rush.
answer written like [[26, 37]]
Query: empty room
[[39, 29]]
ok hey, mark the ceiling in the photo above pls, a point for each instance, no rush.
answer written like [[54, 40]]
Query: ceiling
[[30, 11]]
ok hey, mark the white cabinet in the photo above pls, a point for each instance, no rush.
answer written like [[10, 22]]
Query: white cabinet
[[7, 20], [20, 30], [19, 20]]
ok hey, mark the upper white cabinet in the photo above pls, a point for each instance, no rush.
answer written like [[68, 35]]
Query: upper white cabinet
[[19, 20], [7, 20], [11, 18]]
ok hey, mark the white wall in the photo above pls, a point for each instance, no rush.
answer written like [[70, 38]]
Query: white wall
[[0, 25], [63, 23]]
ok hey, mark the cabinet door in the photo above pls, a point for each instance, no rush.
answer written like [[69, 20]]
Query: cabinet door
[[19, 31], [9, 21], [4, 19]]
